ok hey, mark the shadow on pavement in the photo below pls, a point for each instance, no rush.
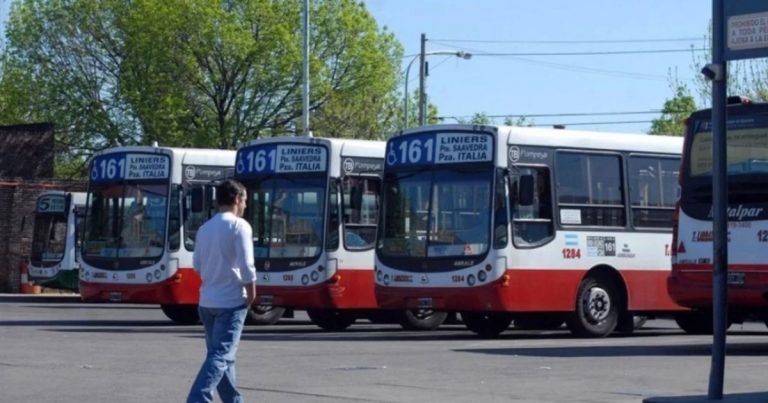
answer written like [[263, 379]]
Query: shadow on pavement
[[740, 349], [750, 397]]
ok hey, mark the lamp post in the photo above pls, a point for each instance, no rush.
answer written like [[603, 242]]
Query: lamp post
[[460, 54]]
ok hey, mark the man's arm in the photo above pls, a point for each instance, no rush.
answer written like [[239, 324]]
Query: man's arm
[[244, 248], [250, 290]]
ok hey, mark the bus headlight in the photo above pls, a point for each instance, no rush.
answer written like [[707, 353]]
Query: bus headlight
[[481, 276], [305, 279], [386, 279], [378, 275], [315, 275], [471, 280]]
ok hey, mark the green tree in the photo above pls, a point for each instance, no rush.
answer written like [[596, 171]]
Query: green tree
[[675, 111], [519, 121], [194, 72], [413, 110], [747, 78]]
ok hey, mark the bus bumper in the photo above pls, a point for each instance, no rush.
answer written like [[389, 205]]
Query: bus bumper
[[182, 288], [515, 291], [693, 288], [347, 289]]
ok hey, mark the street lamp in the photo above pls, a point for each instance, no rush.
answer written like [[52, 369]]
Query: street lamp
[[460, 54]]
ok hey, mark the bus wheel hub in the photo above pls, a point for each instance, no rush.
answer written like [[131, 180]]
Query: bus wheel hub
[[598, 304]]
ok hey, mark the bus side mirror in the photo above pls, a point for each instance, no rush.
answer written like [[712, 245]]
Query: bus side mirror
[[525, 189], [198, 199]]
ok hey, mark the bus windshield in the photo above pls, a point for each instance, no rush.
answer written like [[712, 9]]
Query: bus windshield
[[49, 238], [286, 213], [126, 220], [437, 213]]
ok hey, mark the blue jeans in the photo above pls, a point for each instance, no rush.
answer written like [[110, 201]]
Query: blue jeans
[[223, 327]]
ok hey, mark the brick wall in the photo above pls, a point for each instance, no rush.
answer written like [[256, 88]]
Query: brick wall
[[17, 204], [26, 166]]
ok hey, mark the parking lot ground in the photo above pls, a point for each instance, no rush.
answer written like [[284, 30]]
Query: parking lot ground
[[79, 352]]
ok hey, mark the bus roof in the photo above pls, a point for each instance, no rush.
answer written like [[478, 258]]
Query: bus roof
[[567, 138], [199, 156], [592, 140]]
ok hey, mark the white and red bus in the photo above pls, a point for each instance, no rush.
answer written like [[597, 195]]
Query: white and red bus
[[534, 225], [313, 204], [54, 259], [145, 204], [690, 283]]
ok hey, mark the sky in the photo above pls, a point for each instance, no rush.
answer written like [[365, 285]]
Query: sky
[[556, 84], [530, 85]]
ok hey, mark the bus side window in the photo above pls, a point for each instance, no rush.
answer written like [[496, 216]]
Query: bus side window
[[532, 219], [174, 219], [653, 183], [360, 211], [332, 237], [500, 218], [589, 189]]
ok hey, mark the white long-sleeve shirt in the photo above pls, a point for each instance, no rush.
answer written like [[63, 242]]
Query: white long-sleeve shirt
[[224, 259]]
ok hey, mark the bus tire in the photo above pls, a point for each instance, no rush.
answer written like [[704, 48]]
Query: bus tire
[[597, 308], [263, 315], [330, 319], [185, 314], [538, 322], [422, 319], [488, 325], [697, 322], [628, 323]]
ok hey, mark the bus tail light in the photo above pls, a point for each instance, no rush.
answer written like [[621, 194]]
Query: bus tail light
[[177, 278], [335, 279]]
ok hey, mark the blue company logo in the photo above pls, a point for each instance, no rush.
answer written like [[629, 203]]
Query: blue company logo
[[571, 240]]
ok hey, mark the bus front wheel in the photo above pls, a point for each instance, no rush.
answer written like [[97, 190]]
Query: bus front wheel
[[422, 319], [181, 314], [597, 309], [263, 315], [331, 320], [486, 324]]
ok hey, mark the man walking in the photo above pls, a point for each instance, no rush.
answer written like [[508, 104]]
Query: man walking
[[224, 259]]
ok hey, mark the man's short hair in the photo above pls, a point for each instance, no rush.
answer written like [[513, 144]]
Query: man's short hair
[[227, 192]]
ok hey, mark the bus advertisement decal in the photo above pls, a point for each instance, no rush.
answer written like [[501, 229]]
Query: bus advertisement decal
[[601, 246]]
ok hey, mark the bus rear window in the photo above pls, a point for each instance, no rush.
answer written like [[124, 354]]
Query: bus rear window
[[747, 152]]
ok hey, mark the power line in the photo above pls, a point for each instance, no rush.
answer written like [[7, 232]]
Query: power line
[[593, 123], [584, 69], [566, 114], [566, 42], [605, 122], [593, 53], [596, 53]]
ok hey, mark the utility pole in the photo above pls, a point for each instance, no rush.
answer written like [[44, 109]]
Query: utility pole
[[719, 205], [305, 97], [422, 80]]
